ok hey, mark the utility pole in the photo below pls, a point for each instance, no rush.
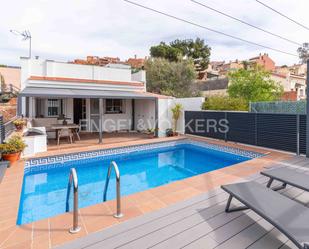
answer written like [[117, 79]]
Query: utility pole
[[307, 111]]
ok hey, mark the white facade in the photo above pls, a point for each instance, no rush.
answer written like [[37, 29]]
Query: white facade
[[291, 82], [118, 113]]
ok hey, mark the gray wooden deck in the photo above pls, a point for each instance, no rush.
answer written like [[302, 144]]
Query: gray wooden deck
[[198, 223]]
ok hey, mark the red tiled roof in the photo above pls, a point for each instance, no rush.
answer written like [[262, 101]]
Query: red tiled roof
[[279, 75], [76, 80], [159, 96]]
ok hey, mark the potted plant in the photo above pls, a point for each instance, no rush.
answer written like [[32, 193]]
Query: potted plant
[[19, 124], [150, 132], [169, 132], [176, 110], [12, 149]]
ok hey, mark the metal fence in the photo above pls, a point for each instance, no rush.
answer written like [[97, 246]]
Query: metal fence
[[9, 127], [2, 134], [287, 107], [277, 131]]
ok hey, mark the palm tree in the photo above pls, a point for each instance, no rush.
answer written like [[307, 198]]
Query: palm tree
[[176, 110]]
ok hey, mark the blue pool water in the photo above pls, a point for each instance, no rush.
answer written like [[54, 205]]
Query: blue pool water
[[44, 191]]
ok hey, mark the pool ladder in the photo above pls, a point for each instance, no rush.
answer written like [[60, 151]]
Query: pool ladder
[[116, 169], [73, 179]]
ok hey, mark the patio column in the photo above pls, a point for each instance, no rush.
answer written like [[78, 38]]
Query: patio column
[[100, 120], [156, 117], [19, 105], [307, 111]]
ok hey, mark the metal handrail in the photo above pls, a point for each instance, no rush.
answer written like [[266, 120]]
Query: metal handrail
[[73, 178], [114, 165]]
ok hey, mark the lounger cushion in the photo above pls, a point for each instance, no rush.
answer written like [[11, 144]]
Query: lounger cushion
[[289, 176], [289, 216]]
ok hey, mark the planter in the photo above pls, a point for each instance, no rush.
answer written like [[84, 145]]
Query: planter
[[12, 158], [151, 135], [3, 167], [19, 127]]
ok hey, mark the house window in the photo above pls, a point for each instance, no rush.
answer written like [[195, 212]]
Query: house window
[[301, 92], [114, 106], [54, 107]]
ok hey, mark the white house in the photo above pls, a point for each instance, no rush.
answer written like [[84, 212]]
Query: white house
[[86, 94], [291, 82]]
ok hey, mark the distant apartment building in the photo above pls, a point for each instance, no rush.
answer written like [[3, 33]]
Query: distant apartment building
[[292, 78], [263, 60], [135, 62], [294, 86], [298, 69], [97, 61], [10, 77]]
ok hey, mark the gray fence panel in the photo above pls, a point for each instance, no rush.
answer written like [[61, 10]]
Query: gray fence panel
[[302, 134], [242, 127], [276, 131], [199, 128]]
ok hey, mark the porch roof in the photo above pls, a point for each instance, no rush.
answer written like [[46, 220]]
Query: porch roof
[[83, 93]]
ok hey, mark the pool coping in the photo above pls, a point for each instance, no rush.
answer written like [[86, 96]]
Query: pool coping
[[57, 160]]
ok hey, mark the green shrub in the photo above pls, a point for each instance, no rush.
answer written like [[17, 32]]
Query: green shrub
[[225, 103], [13, 145]]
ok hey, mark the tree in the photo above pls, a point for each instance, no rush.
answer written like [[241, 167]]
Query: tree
[[303, 53], [184, 49], [225, 103], [171, 78], [253, 84], [2, 83], [166, 51]]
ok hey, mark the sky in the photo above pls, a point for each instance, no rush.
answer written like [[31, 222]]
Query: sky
[[69, 29]]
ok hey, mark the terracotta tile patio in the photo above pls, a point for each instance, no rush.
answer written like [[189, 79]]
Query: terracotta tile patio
[[53, 231]]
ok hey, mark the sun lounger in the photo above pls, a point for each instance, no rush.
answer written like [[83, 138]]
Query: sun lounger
[[288, 216], [287, 176]]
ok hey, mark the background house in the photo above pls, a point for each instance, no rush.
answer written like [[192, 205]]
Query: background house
[[291, 78], [10, 76], [87, 93]]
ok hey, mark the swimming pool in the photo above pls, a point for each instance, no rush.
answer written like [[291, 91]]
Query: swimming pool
[[45, 182]]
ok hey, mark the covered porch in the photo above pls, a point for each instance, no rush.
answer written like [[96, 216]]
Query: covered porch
[[101, 115], [89, 139]]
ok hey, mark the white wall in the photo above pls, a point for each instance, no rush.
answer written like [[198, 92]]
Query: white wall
[[121, 121], [165, 113], [188, 104], [144, 114], [49, 68]]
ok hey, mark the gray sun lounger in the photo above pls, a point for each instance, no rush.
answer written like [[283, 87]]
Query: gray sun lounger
[[287, 176], [288, 216]]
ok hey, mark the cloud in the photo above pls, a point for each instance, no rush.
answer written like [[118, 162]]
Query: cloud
[[64, 30]]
